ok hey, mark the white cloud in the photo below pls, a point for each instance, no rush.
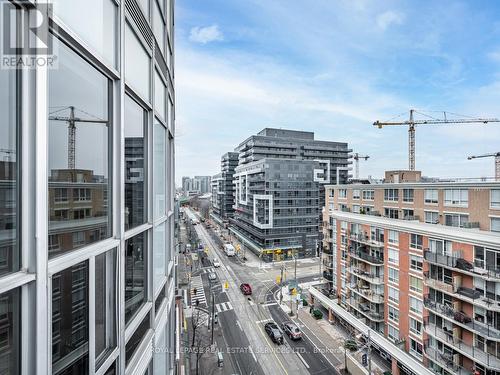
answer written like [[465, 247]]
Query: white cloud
[[495, 55], [386, 19], [206, 34]]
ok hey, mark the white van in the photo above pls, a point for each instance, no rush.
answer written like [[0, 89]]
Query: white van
[[229, 250]]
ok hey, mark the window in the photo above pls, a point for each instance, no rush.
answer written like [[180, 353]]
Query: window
[[95, 21], [495, 198], [159, 254], [356, 209], [431, 196], [391, 195], [393, 313], [78, 239], [342, 193], [137, 64], [393, 294], [135, 340], [60, 195], [408, 214], [135, 171], [416, 241], [159, 26], [393, 256], [415, 326], [393, 237], [70, 330], [495, 224], [416, 284], [416, 305], [392, 333], [135, 274], [393, 275], [86, 170], [144, 4], [432, 217], [416, 348], [160, 96], [408, 195], [456, 220], [392, 213], [416, 262], [369, 195], [160, 353], [10, 332], [105, 305], [456, 197], [159, 169], [355, 194]]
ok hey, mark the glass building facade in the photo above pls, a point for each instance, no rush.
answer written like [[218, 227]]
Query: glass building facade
[[87, 248]]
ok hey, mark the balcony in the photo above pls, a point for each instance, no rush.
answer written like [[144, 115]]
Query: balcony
[[366, 240], [476, 354], [365, 309], [463, 320], [437, 284], [367, 293], [367, 276], [444, 360], [328, 275], [363, 256]]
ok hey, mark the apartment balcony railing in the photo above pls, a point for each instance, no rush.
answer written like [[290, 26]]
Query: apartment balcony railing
[[445, 360], [363, 256], [328, 275], [362, 274], [437, 284], [462, 319], [446, 336], [367, 293], [366, 310], [366, 240]]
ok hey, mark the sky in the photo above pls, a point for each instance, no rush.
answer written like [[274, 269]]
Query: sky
[[334, 67]]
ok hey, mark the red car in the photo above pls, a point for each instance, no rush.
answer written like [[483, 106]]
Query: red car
[[246, 289]]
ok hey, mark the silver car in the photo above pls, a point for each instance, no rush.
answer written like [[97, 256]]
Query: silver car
[[212, 276]]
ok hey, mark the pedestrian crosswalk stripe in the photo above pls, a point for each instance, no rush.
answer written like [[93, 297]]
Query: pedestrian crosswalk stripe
[[223, 306], [197, 283], [208, 270]]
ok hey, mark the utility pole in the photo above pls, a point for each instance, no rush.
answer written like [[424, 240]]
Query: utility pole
[[213, 317], [281, 283], [369, 353]]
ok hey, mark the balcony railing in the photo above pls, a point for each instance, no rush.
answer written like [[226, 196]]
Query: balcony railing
[[443, 359], [367, 293], [362, 274], [361, 255], [459, 263], [463, 319], [478, 355], [437, 284], [358, 237], [365, 309]]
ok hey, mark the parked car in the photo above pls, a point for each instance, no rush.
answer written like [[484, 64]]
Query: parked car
[[291, 330], [212, 276], [317, 314], [274, 332], [216, 263], [246, 289]]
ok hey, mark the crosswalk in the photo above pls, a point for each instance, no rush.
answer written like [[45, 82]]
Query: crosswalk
[[197, 292], [223, 306], [208, 270]]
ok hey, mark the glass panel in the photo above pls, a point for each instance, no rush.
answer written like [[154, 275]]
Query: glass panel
[[105, 305], [159, 247], [137, 64], [144, 4], [95, 21], [136, 338], [9, 254], [78, 174], [111, 370], [70, 320], [160, 354], [10, 330], [135, 274], [135, 194], [159, 28], [159, 172], [160, 96]]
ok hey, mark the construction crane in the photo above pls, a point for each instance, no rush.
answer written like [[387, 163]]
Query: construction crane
[[356, 157], [72, 120], [430, 120], [495, 155]]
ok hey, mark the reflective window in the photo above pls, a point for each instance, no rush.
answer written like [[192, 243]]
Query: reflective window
[[111, 370], [144, 5], [95, 21], [78, 174], [135, 274], [159, 259], [10, 347], [161, 353], [136, 339], [160, 96], [105, 305], [9, 254], [137, 64], [159, 27], [159, 169], [70, 332], [135, 172]]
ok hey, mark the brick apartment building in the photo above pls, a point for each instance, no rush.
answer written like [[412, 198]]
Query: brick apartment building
[[417, 261]]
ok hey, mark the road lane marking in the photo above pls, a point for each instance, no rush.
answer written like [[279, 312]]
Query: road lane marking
[[302, 359], [270, 304], [263, 321], [272, 351], [253, 354], [239, 325]]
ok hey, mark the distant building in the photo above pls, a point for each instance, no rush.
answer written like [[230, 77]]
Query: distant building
[[278, 190], [223, 188], [196, 185]]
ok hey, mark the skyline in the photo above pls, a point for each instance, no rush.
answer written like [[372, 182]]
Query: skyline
[[237, 64]]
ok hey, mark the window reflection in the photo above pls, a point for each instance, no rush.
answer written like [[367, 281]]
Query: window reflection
[[159, 169], [136, 339], [9, 254], [10, 332], [159, 258], [135, 274], [160, 96], [70, 320], [78, 154], [137, 64], [134, 164], [105, 305]]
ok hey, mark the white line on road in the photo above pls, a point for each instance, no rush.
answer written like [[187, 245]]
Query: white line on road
[[239, 325], [303, 360], [253, 354], [270, 304], [263, 321]]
